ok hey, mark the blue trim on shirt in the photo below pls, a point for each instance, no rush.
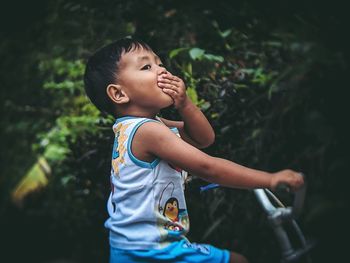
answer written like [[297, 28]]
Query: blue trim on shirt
[[126, 118], [174, 129], [137, 161]]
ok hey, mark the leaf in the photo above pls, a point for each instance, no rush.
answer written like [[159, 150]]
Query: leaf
[[175, 52], [189, 69], [56, 152], [214, 115], [212, 57], [272, 43], [66, 179], [240, 86], [226, 33], [196, 53], [34, 179], [192, 94], [204, 105], [255, 133]]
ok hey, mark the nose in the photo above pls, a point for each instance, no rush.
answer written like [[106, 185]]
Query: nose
[[161, 70]]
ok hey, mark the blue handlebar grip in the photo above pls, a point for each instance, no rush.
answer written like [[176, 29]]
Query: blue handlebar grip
[[208, 187]]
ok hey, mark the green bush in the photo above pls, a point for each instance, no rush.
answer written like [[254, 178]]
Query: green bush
[[269, 80]]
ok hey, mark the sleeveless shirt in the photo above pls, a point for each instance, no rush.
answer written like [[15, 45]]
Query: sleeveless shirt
[[146, 206]]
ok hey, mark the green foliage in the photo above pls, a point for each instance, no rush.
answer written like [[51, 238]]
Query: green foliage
[[186, 68], [271, 82], [76, 114]]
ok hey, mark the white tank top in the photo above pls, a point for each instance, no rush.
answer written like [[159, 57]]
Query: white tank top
[[146, 207]]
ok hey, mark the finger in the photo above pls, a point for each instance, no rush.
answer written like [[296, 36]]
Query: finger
[[170, 76], [168, 86], [170, 92], [169, 80], [177, 79]]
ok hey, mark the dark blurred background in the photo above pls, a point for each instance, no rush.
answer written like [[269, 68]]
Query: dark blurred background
[[271, 77]]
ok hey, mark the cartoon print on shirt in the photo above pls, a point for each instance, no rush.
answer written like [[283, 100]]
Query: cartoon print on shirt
[[119, 147], [177, 218], [171, 210]]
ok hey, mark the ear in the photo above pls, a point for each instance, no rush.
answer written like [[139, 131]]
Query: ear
[[117, 94]]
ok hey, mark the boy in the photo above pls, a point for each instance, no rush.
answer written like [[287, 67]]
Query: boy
[[148, 217]]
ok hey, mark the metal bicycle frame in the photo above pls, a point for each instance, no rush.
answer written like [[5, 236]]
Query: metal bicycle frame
[[277, 216]]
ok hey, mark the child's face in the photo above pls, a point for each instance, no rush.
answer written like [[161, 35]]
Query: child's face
[[138, 74]]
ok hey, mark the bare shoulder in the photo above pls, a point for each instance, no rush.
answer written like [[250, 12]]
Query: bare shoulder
[[157, 140], [153, 131], [145, 137]]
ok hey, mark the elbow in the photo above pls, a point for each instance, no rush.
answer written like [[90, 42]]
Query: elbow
[[206, 169], [209, 140]]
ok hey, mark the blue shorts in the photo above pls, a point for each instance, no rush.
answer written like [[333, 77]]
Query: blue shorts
[[180, 251]]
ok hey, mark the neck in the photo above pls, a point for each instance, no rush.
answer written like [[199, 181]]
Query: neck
[[137, 113]]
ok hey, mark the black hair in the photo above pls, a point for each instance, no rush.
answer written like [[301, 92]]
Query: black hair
[[102, 68]]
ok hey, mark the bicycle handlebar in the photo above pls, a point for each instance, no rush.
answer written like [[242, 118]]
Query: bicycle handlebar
[[265, 202], [277, 215], [299, 197]]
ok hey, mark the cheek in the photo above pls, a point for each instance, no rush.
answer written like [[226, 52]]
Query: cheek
[[144, 82]]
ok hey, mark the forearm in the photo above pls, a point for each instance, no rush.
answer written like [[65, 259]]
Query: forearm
[[158, 140], [196, 124], [230, 174]]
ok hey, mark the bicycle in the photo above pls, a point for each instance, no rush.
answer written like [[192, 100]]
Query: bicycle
[[278, 217]]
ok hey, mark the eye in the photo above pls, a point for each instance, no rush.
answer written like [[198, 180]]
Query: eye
[[146, 67], [161, 65]]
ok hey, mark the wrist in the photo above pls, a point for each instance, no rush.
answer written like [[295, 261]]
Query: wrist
[[274, 180], [185, 105]]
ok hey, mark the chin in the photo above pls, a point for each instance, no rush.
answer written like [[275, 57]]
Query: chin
[[168, 101], [171, 102], [166, 105]]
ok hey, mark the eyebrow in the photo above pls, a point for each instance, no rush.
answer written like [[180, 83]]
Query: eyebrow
[[143, 58]]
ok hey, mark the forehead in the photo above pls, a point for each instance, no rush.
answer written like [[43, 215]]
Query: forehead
[[137, 56]]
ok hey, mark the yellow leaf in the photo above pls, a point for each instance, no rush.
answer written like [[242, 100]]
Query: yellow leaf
[[35, 178]]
